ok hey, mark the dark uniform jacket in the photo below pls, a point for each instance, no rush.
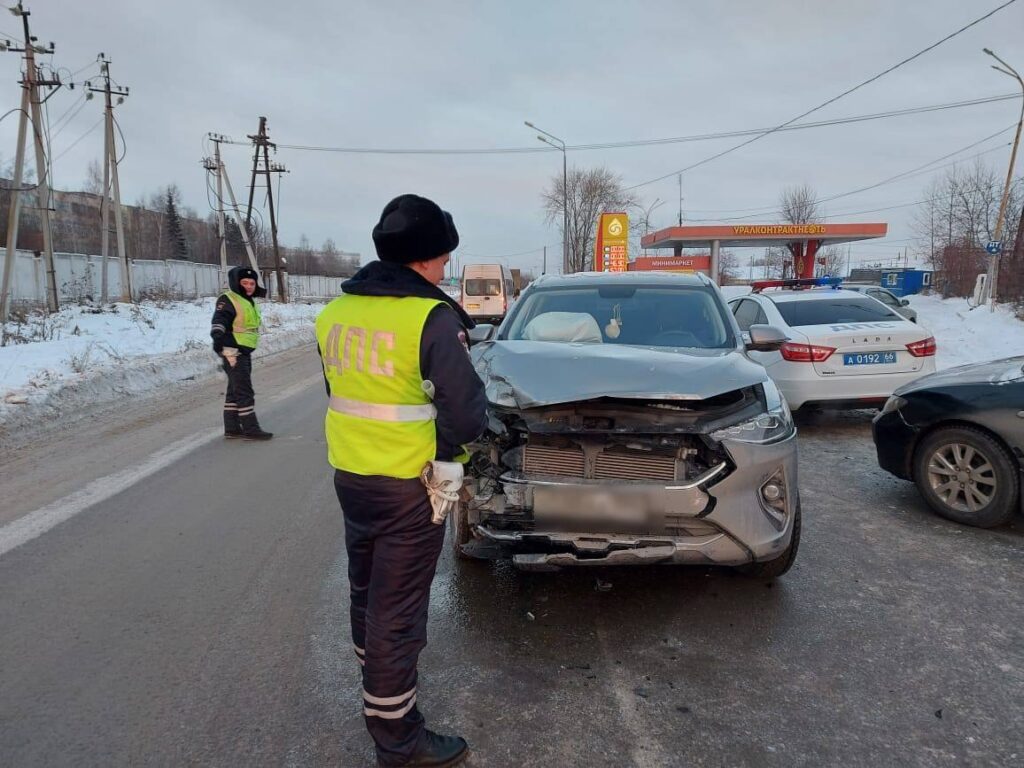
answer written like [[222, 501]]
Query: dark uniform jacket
[[224, 312], [444, 353]]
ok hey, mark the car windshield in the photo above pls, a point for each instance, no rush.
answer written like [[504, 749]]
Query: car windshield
[[623, 314], [845, 309], [483, 287]]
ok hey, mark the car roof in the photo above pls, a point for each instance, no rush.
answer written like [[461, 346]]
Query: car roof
[[586, 279], [809, 294]]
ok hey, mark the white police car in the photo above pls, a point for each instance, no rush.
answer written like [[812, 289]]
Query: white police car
[[845, 349]]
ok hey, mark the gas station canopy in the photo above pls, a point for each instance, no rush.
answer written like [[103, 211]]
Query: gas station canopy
[[764, 235], [802, 240]]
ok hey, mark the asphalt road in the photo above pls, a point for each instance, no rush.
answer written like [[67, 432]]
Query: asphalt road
[[191, 610]]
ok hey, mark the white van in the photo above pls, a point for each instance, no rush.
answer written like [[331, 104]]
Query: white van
[[487, 291]]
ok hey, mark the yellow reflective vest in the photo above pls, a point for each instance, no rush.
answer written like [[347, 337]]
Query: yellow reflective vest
[[380, 420], [246, 325]]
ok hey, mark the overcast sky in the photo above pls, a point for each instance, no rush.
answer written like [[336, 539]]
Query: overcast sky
[[387, 74]]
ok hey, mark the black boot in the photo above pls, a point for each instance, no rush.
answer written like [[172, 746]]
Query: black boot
[[232, 427], [251, 429], [437, 751]]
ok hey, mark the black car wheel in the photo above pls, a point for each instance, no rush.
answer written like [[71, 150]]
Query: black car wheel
[[967, 476], [772, 569]]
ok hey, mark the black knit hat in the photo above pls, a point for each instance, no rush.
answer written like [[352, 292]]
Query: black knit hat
[[237, 274], [412, 228]]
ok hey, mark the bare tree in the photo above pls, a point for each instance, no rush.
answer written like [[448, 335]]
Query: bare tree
[[831, 262], [93, 178], [956, 219], [590, 193], [799, 205], [728, 268]]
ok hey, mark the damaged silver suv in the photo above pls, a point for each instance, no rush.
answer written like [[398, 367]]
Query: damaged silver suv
[[627, 426]]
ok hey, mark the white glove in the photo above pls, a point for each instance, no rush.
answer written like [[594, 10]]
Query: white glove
[[443, 481]]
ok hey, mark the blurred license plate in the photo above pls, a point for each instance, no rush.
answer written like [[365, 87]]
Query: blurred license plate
[[472, 306], [869, 358], [588, 506]]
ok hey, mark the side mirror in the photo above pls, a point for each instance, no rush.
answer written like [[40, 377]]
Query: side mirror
[[904, 302], [481, 333], [765, 338]]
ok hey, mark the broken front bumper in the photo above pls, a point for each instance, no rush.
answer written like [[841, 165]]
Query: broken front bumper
[[720, 518]]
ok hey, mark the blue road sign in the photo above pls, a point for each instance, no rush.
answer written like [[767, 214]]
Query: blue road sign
[[993, 247]]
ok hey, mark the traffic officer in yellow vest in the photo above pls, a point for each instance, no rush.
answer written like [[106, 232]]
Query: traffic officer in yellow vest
[[235, 329], [403, 394]]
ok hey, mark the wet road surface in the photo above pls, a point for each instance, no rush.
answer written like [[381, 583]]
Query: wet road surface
[[199, 617]]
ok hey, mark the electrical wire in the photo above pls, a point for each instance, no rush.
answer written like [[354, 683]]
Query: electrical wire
[[833, 100], [644, 142], [918, 170], [3, 117], [124, 143], [503, 256], [79, 139], [60, 124]]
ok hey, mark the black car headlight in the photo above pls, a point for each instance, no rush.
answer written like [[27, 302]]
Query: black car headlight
[[775, 424]]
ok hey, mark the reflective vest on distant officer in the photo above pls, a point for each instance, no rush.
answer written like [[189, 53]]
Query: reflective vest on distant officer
[[380, 420], [246, 326]]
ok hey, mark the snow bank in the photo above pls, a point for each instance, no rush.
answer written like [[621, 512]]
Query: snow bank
[[83, 355], [966, 336]]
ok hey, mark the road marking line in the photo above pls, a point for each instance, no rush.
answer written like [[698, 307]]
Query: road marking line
[[38, 522]]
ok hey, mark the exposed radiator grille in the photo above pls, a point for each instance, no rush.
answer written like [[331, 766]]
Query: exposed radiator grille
[[620, 466], [571, 462], [548, 460]]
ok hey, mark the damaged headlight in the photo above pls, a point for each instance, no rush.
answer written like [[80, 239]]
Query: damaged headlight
[[775, 424]]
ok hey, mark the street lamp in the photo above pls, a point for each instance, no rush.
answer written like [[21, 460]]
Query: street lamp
[[565, 190], [993, 267]]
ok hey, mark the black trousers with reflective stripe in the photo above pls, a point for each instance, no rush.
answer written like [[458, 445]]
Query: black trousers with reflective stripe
[[393, 549], [239, 392]]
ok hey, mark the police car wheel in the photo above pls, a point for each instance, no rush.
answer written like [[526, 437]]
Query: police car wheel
[[459, 530]]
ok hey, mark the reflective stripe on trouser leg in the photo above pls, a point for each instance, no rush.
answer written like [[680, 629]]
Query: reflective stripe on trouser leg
[[393, 549], [240, 382]]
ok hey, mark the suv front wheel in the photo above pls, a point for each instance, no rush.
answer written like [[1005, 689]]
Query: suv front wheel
[[772, 569]]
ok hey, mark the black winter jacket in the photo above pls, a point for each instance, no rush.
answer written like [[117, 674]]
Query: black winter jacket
[[224, 312], [444, 353]]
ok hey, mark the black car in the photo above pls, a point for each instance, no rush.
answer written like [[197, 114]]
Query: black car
[[959, 434]]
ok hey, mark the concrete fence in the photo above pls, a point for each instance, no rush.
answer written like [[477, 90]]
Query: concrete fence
[[79, 278]]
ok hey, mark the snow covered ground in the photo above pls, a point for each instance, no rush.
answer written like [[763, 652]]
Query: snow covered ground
[[83, 354], [964, 335]]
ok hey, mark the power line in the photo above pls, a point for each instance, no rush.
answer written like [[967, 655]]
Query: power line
[[760, 210], [506, 255], [833, 100], [645, 142], [76, 141]]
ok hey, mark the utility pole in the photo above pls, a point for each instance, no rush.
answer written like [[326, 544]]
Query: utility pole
[[262, 144], [993, 268], [680, 199], [544, 263], [222, 176], [31, 82], [110, 176]]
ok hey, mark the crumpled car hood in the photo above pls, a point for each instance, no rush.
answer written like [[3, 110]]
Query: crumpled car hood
[[531, 374]]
